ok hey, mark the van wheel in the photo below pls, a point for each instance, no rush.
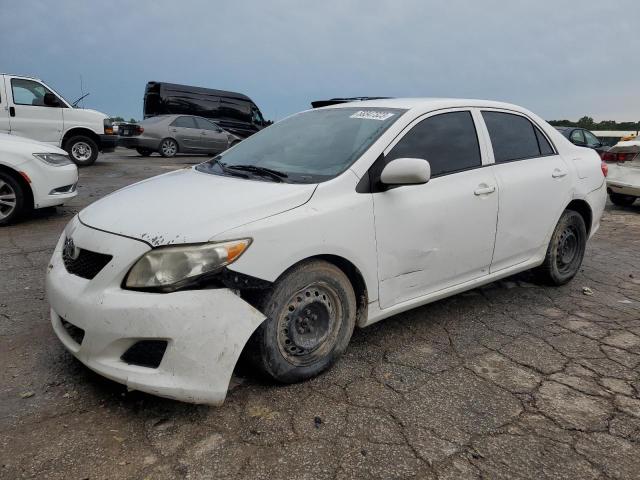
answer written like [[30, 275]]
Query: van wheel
[[311, 313], [82, 150], [168, 148], [145, 152], [13, 199], [622, 200], [566, 250]]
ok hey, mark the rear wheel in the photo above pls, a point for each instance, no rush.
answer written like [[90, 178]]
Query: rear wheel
[[145, 152], [311, 314], [13, 199], [168, 148], [622, 200], [82, 150], [565, 251]]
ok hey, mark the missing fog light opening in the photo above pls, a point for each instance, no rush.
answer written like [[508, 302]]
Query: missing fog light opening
[[145, 353]]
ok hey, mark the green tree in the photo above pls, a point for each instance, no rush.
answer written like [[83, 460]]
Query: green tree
[[586, 122]]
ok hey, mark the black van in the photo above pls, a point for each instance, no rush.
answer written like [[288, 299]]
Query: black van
[[233, 111]]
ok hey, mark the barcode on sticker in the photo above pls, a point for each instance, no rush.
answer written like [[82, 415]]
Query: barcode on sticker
[[372, 115]]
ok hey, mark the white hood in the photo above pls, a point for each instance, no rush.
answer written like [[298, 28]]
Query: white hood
[[187, 206]]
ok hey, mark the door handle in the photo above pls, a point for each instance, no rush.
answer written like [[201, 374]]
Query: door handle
[[486, 190], [174, 130], [557, 173], [12, 111]]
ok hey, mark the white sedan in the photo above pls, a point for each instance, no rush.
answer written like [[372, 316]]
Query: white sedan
[[331, 218], [623, 180], [33, 175]]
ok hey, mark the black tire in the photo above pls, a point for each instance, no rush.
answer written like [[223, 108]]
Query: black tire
[[82, 150], [14, 202], [566, 250], [311, 313], [168, 148], [145, 152], [622, 200]]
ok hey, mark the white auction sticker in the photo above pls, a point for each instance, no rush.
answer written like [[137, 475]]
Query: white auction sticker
[[372, 115]]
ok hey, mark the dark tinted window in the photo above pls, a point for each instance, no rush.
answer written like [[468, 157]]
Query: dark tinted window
[[448, 141], [513, 137], [543, 143], [184, 122], [205, 124]]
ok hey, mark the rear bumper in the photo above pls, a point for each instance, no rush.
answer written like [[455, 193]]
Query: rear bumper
[[108, 143], [205, 330], [614, 186]]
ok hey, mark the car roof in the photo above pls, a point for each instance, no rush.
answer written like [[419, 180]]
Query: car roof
[[427, 103]]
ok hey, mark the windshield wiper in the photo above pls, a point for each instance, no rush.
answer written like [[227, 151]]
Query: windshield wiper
[[269, 172], [225, 169]]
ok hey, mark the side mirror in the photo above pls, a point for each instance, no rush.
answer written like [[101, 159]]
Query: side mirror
[[406, 171], [50, 100]]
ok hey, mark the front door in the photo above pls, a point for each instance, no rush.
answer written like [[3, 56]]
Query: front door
[[215, 139], [533, 181], [29, 116], [433, 236]]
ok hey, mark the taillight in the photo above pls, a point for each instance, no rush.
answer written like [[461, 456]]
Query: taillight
[[605, 168], [624, 157], [139, 130], [608, 156]]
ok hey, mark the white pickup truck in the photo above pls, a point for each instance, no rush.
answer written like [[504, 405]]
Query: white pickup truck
[[30, 108]]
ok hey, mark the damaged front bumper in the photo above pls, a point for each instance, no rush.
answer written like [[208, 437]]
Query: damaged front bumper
[[204, 330]]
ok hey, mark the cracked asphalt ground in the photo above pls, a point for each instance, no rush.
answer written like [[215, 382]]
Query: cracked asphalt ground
[[513, 380]]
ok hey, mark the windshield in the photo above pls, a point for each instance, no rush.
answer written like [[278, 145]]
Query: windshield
[[309, 147]]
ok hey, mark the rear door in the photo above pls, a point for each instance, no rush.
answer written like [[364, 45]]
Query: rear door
[[29, 116], [186, 132], [214, 138], [5, 125], [533, 182]]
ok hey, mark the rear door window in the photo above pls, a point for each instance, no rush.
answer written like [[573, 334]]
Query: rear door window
[[577, 137], [592, 140], [184, 122], [206, 124], [514, 137], [448, 141]]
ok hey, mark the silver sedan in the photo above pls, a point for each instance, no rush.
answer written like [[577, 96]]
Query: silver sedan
[[172, 134]]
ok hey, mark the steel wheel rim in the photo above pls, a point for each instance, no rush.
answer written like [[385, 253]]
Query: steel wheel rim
[[8, 199], [567, 250], [169, 147], [308, 327], [81, 151]]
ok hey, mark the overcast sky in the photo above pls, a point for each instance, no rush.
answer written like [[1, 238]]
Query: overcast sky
[[559, 58]]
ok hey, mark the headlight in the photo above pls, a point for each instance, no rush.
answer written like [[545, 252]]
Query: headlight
[[55, 159], [169, 268]]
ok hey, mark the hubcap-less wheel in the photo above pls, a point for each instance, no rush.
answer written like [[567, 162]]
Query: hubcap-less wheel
[[567, 250], [309, 325], [169, 148], [81, 151], [8, 199]]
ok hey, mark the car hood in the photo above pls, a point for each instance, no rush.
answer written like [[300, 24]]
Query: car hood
[[187, 206]]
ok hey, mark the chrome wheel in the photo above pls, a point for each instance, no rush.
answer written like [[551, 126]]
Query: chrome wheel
[[8, 200], [81, 151], [169, 148], [309, 326]]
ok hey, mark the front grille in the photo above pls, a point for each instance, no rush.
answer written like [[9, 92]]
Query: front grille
[[76, 333], [145, 353], [86, 264]]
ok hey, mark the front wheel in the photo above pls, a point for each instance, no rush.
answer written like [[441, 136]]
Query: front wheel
[[168, 148], [565, 251], [311, 314], [13, 201], [82, 150], [622, 200]]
